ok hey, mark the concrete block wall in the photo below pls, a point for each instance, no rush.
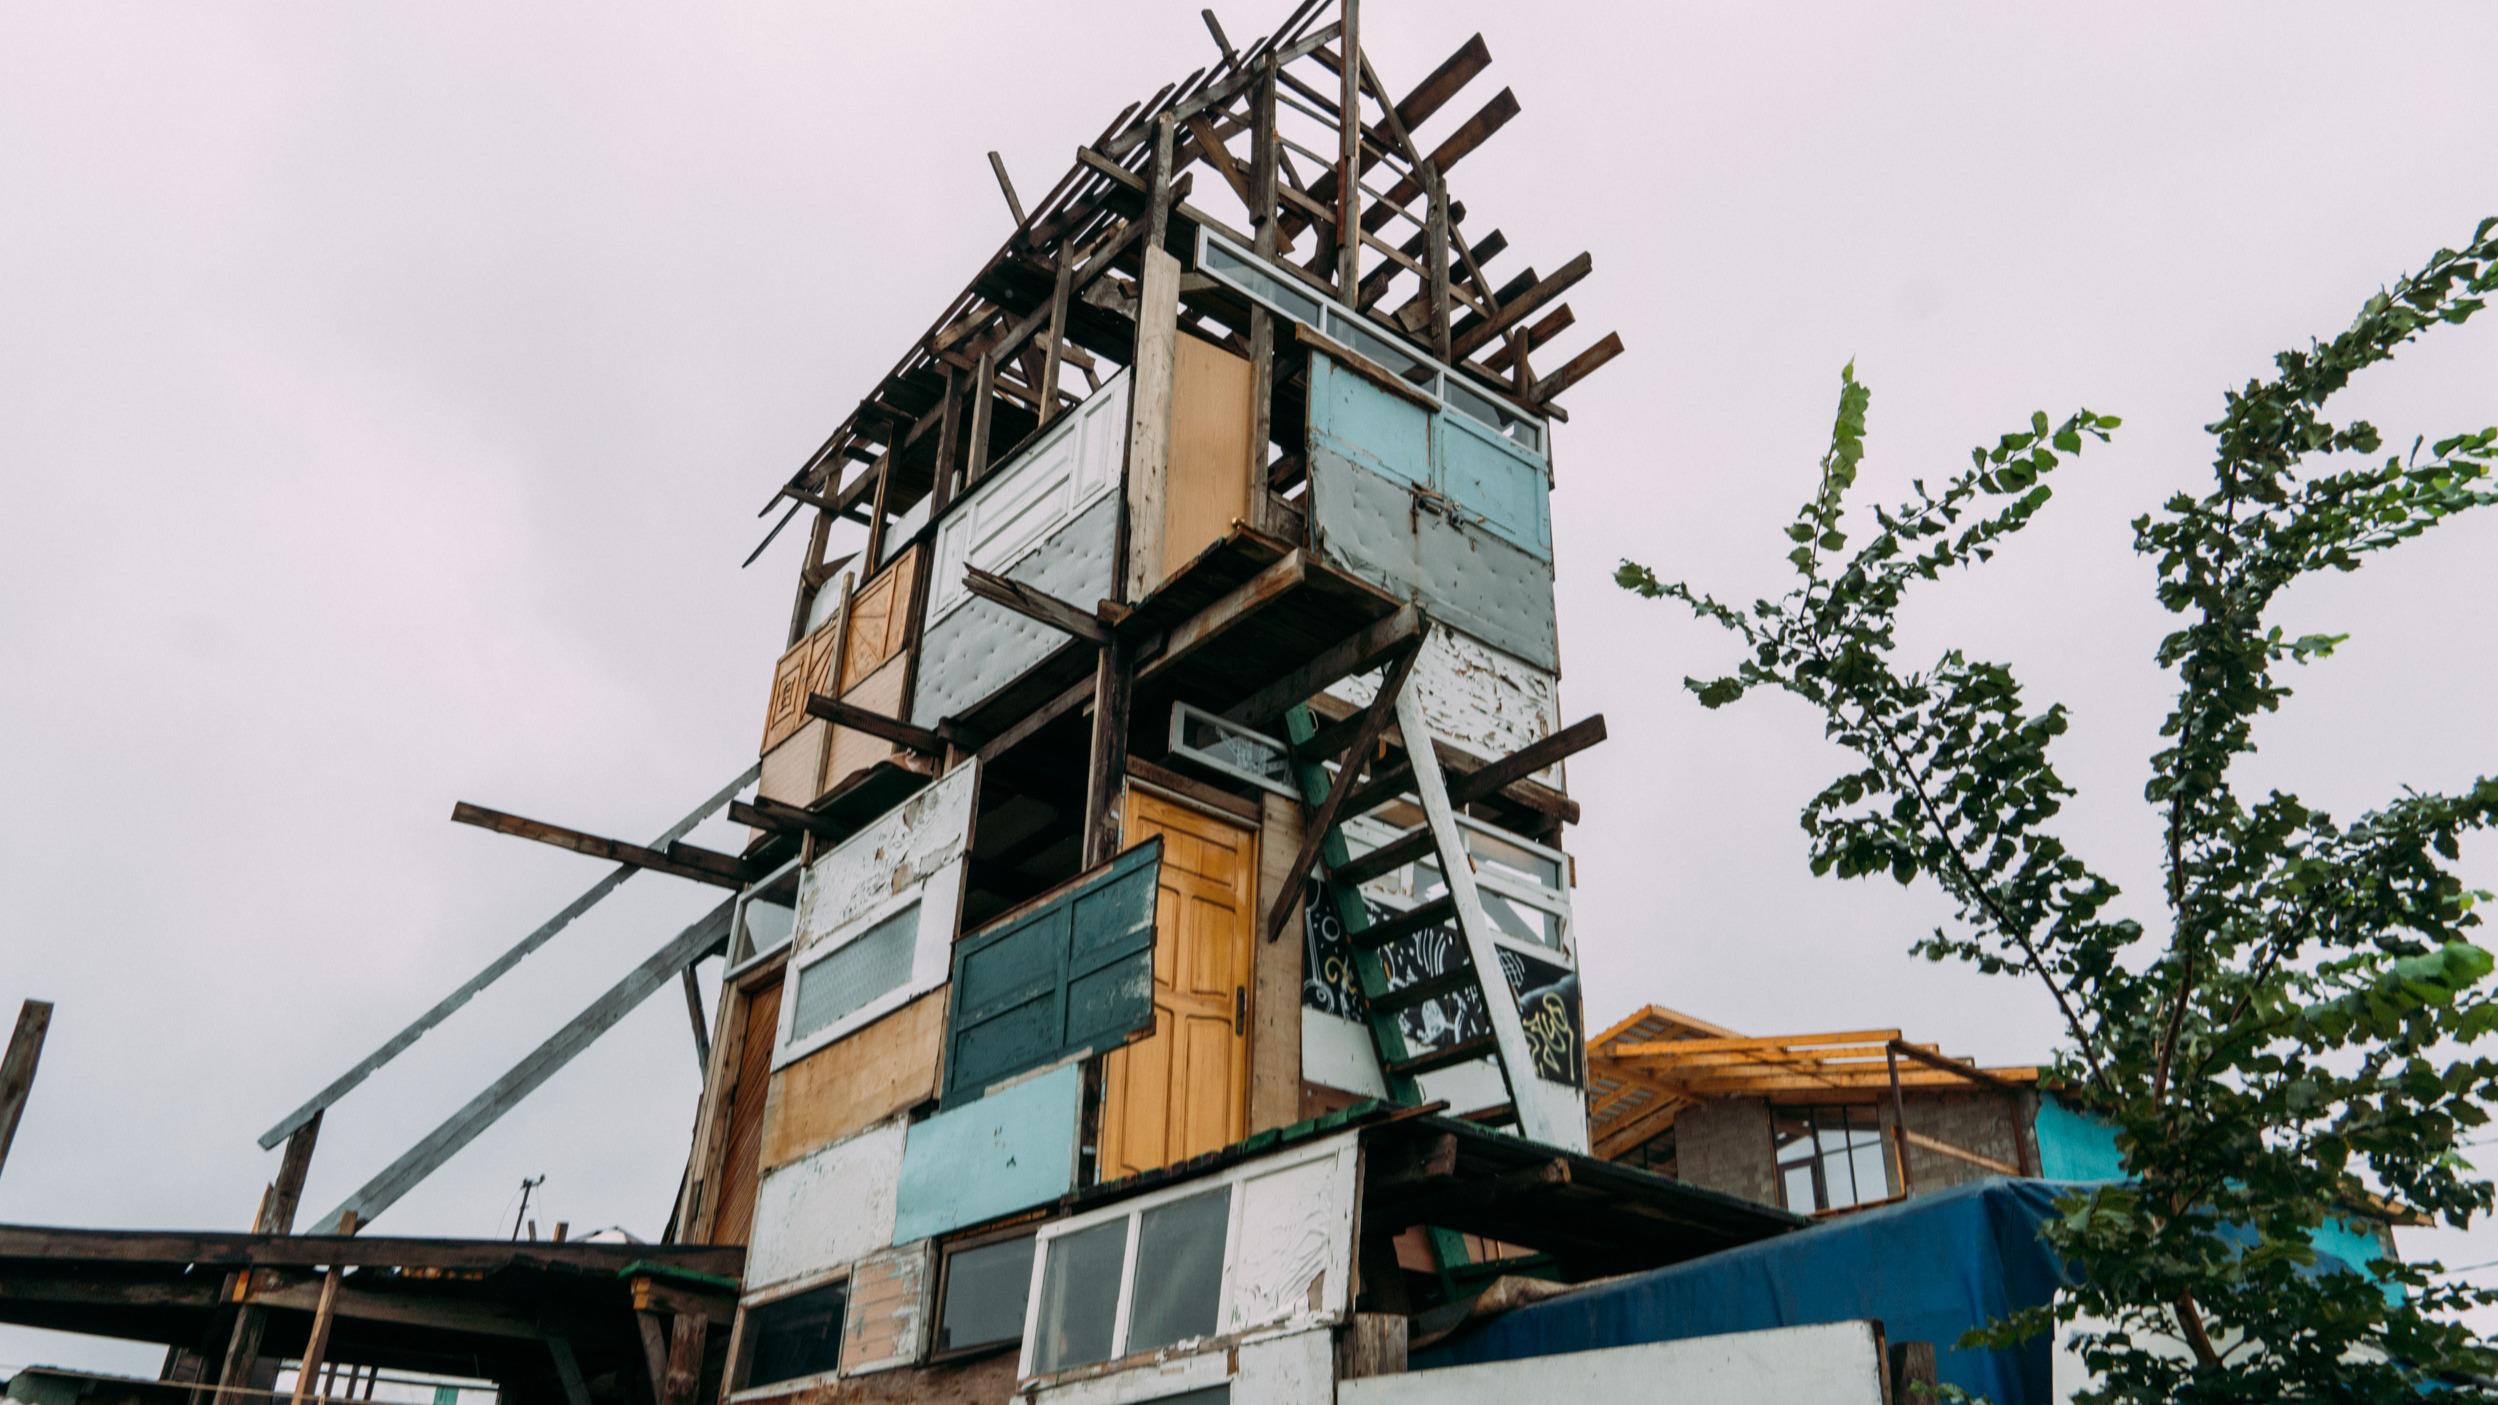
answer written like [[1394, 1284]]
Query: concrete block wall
[[1725, 1146]]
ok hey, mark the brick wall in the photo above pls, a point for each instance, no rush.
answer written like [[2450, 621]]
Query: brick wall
[[1724, 1145]]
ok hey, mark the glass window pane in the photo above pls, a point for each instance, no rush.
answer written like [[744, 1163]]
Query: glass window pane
[[1179, 1270], [1543, 870], [1080, 1297], [985, 1291], [1873, 1171], [842, 984], [797, 1336], [1797, 1184]]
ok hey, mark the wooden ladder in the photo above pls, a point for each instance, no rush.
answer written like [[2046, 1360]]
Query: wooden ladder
[[1537, 1109]]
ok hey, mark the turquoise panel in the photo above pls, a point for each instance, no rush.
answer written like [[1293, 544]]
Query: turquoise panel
[[2074, 1146], [1009, 1151], [1384, 433], [1074, 971], [1494, 484]]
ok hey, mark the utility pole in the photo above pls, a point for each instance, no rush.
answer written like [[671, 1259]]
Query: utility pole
[[527, 1184]]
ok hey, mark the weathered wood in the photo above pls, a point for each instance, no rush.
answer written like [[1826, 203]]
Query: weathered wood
[[1552, 324], [1149, 425], [1373, 1345], [1955, 1067], [493, 970], [1192, 790], [1062, 286], [700, 865], [1577, 368], [568, 1372], [1362, 649], [17, 1068], [1496, 778], [317, 1346], [876, 724], [694, 1012], [287, 1194], [226, 1249], [1105, 777], [1375, 721], [1236, 607], [1914, 1378], [685, 1359], [1035, 604], [1513, 309], [1075, 696], [1006, 187], [464, 1126], [1958, 1153], [1349, 154]]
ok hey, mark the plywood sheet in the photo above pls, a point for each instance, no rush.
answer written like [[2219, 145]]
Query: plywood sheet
[[854, 1083], [806, 668], [1208, 485], [790, 770], [880, 618], [853, 751]]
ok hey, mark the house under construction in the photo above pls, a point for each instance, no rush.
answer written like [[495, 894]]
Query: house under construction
[[1151, 972]]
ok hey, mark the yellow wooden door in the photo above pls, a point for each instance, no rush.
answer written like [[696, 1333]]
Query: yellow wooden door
[[1184, 1090]]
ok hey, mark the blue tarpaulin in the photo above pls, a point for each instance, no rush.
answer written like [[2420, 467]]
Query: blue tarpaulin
[[1929, 1269]]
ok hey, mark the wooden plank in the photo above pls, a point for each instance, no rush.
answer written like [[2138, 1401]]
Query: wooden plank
[[17, 1069], [1192, 790], [1511, 310], [1149, 423], [1275, 1010], [1552, 324], [1468, 787], [1959, 1153], [719, 870], [1577, 368], [1105, 777], [876, 724], [1365, 740], [1075, 696], [464, 1126], [317, 1346], [1035, 604], [1672, 1048], [228, 1249], [855, 1082], [1362, 649], [1207, 485], [1443, 82], [494, 970], [1956, 1067], [694, 1012], [287, 1194], [1236, 607], [683, 1381], [1006, 187]]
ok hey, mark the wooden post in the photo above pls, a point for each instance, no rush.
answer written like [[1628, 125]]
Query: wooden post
[[1105, 778], [1438, 228], [1349, 156], [694, 1012], [277, 1214], [685, 1359], [949, 440], [1264, 167], [308, 1370], [1055, 353], [17, 1069], [983, 402], [1899, 1117]]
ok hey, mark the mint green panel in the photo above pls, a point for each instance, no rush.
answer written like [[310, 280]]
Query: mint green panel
[[1075, 971], [1495, 484], [1382, 432], [1006, 1152]]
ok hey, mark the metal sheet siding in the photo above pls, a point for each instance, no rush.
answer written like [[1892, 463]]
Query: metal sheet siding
[[1465, 577]]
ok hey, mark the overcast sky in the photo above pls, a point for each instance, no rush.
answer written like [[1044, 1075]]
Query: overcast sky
[[387, 390]]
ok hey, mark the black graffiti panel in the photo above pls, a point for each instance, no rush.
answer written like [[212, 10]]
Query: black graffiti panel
[[1548, 994]]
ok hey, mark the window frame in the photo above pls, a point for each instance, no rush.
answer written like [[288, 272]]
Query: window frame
[[946, 1250], [742, 962], [1184, 713], [939, 898], [1399, 889], [742, 1337], [1818, 1160]]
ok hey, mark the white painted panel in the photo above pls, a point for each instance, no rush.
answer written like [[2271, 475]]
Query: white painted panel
[[902, 849], [1294, 1370], [1158, 1380], [1478, 699], [1337, 1053], [826, 1210], [1071, 467], [938, 900], [1292, 1244], [1838, 1363]]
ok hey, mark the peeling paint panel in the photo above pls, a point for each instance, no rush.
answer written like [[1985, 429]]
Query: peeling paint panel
[[980, 646], [885, 1323], [1292, 1244], [826, 1210], [1011, 1150], [899, 851], [1478, 699], [1070, 467]]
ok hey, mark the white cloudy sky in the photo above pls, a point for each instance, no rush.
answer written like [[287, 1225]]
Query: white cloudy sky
[[386, 392]]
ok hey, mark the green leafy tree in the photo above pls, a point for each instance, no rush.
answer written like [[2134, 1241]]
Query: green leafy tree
[[2289, 1037]]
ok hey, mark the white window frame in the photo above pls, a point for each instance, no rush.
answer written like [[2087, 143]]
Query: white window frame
[[1397, 888], [740, 964], [1341, 1148], [777, 1293], [940, 898], [1038, 505], [1184, 713], [1332, 312]]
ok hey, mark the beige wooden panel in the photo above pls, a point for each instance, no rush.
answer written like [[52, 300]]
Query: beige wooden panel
[[734, 1212], [1184, 1090], [1275, 997], [856, 1082], [1208, 488], [807, 667], [790, 770], [880, 617], [852, 750]]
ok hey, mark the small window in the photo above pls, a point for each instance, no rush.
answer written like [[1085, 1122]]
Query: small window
[[983, 1294], [1830, 1158], [1080, 1297], [1179, 1271], [766, 916], [796, 1336], [1231, 749], [870, 965]]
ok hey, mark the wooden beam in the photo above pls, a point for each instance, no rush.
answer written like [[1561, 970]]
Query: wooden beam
[[1960, 1153], [1315, 830], [1515, 308], [685, 1359], [694, 1012], [1071, 699], [1443, 82], [462, 1127], [1486, 781], [1672, 1048], [1105, 776], [1956, 1067], [1006, 187], [287, 1194], [1360, 650], [700, 865], [228, 1249], [1552, 324], [17, 1069], [1035, 604], [1236, 607], [875, 724], [1577, 368]]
